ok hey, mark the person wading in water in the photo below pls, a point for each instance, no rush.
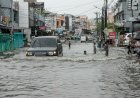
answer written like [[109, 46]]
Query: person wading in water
[[69, 44]]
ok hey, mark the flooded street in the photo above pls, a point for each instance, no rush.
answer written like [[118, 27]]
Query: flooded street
[[74, 75]]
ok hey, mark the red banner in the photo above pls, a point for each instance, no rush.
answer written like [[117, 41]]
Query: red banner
[[112, 35]]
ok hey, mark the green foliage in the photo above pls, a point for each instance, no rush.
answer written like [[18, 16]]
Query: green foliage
[[98, 27], [110, 25], [118, 29]]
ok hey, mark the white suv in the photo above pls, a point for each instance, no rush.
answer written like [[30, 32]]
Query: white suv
[[127, 38]]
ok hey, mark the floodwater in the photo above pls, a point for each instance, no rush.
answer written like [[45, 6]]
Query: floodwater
[[74, 75]]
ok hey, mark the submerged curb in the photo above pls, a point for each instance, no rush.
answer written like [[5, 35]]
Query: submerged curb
[[4, 55]]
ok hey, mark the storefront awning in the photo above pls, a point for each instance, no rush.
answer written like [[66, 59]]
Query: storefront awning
[[4, 27]]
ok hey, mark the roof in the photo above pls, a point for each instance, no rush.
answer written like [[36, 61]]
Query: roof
[[4, 27]]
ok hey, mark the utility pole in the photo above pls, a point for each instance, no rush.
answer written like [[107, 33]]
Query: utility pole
[[102, 25], [105, 24], [106, 2], [132, 17], [12, 12], [12, 16], [97, 24]]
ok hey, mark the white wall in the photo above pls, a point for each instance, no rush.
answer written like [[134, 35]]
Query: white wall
[[70, 20], [23, 14], [70, 23], [28, 33]]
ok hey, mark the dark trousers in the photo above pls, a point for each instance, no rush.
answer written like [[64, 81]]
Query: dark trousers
[[94, 49], [106, 50], [69, 46], [129, 50], [106, 53]]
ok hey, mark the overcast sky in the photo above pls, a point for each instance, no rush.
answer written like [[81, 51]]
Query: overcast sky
[[75, 7]]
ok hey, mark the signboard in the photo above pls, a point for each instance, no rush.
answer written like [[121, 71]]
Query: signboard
[[42, 28], [5, 20], [134, 4], [112, 35]]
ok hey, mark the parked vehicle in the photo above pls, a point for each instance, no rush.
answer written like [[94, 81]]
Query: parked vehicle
[[137, 36], [127, 39], [136, 43], [83, 39], [75, 37], [68, 38], [45, 46], [89, 38]]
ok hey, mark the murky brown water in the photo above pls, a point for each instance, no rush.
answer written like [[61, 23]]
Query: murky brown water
[[73, 76]]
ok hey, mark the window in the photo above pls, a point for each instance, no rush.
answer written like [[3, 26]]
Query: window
[[44, 42]]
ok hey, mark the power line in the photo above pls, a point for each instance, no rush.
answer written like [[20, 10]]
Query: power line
[[111, 2], [86, 11], [76, 6], [80, 5]]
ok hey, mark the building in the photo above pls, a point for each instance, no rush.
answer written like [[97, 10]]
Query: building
[[9, 15], [36, 18], [84, 22], [31, 17], [50, 21], [60, 23], [110, 17], [68, 22], [127, 15], [23, 14]]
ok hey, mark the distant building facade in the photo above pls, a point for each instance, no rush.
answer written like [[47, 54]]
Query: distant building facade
[[125, 13]]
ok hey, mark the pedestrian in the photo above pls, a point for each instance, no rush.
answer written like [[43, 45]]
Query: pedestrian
[[129, 47], [107, 47], [69, 44], [94, 48]]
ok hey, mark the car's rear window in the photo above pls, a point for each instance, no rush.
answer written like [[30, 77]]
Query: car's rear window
[[44, 42], [129, 35]]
